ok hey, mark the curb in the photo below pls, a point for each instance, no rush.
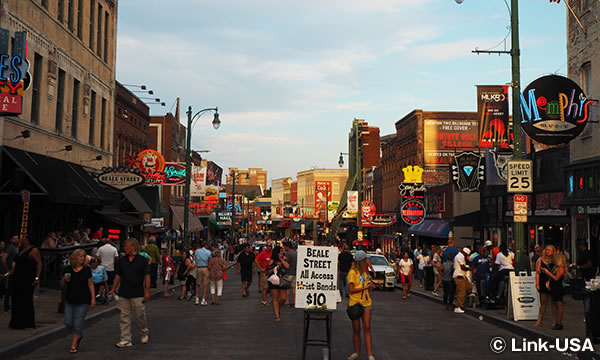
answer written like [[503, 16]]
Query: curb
[[37, 341], [506, 324]]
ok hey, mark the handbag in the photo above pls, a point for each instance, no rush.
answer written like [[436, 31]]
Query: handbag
[[285, 281], [224, 275], [355, 311], [274, 278]]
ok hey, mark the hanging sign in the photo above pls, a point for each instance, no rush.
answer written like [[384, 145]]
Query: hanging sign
[[120, 179], [316, 279], [412, 187], [352, 201], [555, 110], [367, 210], [332, 210], [380, 220], [198, 183], [468, 171], [174, 173], [492, 109], [412, 212], [14, 72], [322, 195], [151, 164]]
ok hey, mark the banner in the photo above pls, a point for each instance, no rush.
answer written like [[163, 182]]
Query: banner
[[332, 210], [352, 202], [316, 277], [492, 110], [322, 195], [198, 181], [443, 138]]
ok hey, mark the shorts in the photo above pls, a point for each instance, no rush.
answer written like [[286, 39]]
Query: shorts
[[405, 278], [246, 275], [263, 283], [202, 275], [182, 282]]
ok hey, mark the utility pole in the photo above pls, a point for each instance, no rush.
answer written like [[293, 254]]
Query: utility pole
[[233, 210]]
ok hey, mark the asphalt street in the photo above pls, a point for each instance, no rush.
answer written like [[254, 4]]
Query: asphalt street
[[240, 328]]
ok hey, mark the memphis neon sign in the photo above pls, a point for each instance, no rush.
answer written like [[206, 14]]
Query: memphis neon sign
[[14, 76], [554, 110]]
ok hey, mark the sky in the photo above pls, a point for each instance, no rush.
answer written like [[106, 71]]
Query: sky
[[289, 77]]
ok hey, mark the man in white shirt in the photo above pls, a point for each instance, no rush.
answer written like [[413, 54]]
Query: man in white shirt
[[108, 255], [463, 285]]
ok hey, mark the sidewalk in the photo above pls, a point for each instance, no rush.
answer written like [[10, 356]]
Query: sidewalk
[[573, 321]]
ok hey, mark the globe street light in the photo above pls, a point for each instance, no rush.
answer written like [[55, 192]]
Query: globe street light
[[188, 159]]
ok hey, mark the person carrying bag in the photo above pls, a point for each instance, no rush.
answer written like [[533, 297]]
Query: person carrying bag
[[359, 304]]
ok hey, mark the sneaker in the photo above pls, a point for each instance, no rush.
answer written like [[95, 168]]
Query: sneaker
[[264, 303], [459, 310], [371, 357], [435, 293], [203, 303], [124, 344], [353, 356], [197, 301], [144, 339]]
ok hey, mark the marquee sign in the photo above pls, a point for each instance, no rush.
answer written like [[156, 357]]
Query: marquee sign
[[468, 171], [155, 170], [413, 212], [14, 72], [555, 110], [120, 179]]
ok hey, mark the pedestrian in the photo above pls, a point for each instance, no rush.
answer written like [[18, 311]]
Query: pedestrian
[[537, 253], [555, 284], [436, 262], [424, 260], [504, 262], [359, 285], [405, 272], [448, 283], [482, 265], [277, 266], [98, 234], [262, 261], [167, 271], [244, 266], [108, 255], [216, 268], [201, 257], [133, 273], [463, 285], [80, 296], [450, 251], [546, 261], [8, 258], [290, 254], [183, 269], [26, 271], [99, 279], [152, 250], [585, 261], [345, 260]]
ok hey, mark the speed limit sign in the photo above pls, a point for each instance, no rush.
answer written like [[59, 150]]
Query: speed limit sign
[[520, 176]]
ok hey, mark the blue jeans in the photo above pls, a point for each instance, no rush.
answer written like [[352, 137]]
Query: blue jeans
[[343, 283], [75, 317]]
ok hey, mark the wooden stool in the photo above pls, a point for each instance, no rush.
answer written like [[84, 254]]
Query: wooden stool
[[317, 315]]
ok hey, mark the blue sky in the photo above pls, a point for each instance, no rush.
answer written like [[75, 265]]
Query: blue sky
[[289, 76]]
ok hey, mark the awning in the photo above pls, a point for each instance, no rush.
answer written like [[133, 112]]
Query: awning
[[120, 218], [136, 200], [64, 182], [284, 224], [297, 225], [431, 228], [178, 217]]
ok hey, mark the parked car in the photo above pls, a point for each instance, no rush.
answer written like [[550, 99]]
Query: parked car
[[385, 276]]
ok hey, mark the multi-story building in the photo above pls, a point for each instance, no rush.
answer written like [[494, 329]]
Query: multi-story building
[[252, 176], [582, 176], [131, 125], [65, 123], [280, 197], [309, 195]]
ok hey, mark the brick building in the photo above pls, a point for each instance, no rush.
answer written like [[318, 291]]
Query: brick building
[[132, 123], [252, 176]]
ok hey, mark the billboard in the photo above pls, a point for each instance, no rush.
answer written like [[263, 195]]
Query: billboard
[[492, 110], [443, 138]]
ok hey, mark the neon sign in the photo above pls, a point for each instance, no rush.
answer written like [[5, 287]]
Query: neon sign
[[14, 76], [554, 110], [114, 233], [413, 212], [156, 171]]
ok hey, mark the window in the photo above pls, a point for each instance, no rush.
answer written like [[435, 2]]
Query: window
[[59, 100], [102, 122], [79, 19], [35, 92], [586, 78], [99, 32], [75, 114], [92, 118], [70, 14], [106, 36], [61, 9], [92, 7], [585, 4], [45, 4]]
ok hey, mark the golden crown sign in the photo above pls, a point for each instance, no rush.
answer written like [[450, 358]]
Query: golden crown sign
[[413, 174]]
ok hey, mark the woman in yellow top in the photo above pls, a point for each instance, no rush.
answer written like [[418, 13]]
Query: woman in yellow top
[[359, 285]]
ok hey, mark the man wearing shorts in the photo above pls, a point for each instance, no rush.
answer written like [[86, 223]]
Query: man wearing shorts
[[244, 267], [262, 260], [201, 257]]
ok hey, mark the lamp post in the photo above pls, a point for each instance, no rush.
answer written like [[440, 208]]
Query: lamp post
[[358, 166], [515, 52], [188, 159], [234, 176]]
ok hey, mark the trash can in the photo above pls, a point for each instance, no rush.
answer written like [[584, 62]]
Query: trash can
[[429, 278]]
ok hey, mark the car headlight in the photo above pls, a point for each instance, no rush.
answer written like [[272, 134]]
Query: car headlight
[[389, 274]]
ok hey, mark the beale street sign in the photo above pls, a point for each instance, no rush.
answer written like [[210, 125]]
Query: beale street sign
[[120, 179]]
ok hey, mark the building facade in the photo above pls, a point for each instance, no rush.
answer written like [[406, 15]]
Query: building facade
[[131, 126], [308, 192], [252, 176]]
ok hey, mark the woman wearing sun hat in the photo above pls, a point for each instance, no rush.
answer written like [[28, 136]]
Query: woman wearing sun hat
[[359, 285]]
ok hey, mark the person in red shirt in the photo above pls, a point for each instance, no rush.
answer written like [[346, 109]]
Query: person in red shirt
[[168, 268], [98, 234], [262, 260]]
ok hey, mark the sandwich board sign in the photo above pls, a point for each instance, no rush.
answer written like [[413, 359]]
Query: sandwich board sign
[[523, 297], [316, 277]]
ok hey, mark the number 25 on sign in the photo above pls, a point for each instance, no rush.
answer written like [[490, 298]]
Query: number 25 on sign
[[520, 176]]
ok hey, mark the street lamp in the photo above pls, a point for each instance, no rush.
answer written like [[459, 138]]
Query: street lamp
[[341, 159], [188, 159], [520, 252]]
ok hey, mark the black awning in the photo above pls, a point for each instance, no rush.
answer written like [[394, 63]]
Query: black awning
[[121, 218], [136, 200], [64, 182]]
